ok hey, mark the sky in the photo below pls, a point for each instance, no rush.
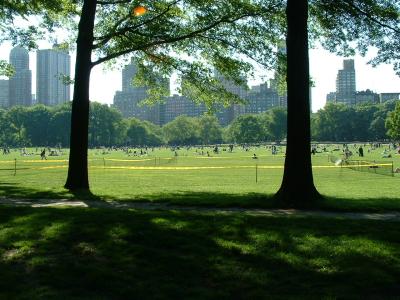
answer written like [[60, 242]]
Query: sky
[[323, 69]]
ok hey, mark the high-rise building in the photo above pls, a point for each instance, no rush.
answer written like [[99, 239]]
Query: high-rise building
[[178, 105], [226, 115], [346, 83], [281, 59], [383, 97], [20, 84], [331, 97], [258, 99], [282, 95], [52, 66], [4, 93], [367, 96], [261, 98], [128, 101]]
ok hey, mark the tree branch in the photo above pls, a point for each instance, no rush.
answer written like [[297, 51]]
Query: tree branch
[[100, 2], [233, 46], [173, 39], [105, 39], [369, 16]]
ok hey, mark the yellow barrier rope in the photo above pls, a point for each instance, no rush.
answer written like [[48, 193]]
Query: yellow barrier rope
[[192, 167], [130, 160]]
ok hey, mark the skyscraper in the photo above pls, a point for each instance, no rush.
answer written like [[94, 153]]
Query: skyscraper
[[226, 115], [4, 93], [20, 84], [261, 98], [51, 66], [177, 105], [346, 83], [128, 100], [383, 97]]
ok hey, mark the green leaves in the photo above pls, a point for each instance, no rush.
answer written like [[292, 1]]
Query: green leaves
[[6, 69], [393, 123], [194, 39]]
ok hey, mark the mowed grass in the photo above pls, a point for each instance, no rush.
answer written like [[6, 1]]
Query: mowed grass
[[222, 179], [75, 253]]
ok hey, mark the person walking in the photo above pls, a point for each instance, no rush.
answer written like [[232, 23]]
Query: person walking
[[361, 151], [43, 154]]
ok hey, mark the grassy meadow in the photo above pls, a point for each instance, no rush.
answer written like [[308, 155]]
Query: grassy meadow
[[99, 253], [190, 176], [67, 253]]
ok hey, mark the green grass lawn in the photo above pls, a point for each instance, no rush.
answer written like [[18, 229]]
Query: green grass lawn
[[74, 253], [223, 179], [90, 253]]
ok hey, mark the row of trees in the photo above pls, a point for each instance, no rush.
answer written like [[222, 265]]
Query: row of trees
[[368, 122], [41, 125]]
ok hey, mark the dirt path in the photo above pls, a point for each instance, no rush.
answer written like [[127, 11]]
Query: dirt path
[[389, 216]]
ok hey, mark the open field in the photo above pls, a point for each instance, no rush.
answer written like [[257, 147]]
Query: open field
[[99, 253], [75, 253], [191, 178]]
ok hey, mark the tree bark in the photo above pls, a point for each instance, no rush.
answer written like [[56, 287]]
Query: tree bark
[[297, 188], [78, 169]]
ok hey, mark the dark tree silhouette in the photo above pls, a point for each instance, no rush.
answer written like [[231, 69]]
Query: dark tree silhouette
[[77, 171], [297, 188]]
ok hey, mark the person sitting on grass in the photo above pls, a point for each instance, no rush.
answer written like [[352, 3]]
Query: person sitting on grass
[[255, 156]]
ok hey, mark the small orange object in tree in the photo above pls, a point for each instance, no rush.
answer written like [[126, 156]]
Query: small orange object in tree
[[139, 10]]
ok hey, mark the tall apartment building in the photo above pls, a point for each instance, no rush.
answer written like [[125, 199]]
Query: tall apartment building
[[261, 98], [367, 96], [178, 105], [258, 99], [282, 95], [226, 115], [331, 97], [4, 93], [383, 97], [128, 101], [51, 66], [20, 84], [346, 83]]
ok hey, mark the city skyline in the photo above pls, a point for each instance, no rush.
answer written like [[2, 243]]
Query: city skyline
[[346, 90], [53, 66], [259, 99], [323, 69]]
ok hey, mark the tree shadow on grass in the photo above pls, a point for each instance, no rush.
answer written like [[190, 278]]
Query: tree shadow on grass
[[16, 191], [119, 254], [201, 199], [378, 205]]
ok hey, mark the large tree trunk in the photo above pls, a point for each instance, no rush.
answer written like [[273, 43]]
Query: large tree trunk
[[297, 188], [78, 168]]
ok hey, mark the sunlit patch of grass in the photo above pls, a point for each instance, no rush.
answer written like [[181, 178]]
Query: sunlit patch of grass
[[344, 189], [55, 230], [86, 249], [19, 250], [178, 225], [242, 248]]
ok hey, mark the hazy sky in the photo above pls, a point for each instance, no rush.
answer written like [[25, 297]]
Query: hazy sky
[[323, 69]]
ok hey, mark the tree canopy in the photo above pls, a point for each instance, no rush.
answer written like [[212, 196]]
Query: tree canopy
[[393, 123]]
